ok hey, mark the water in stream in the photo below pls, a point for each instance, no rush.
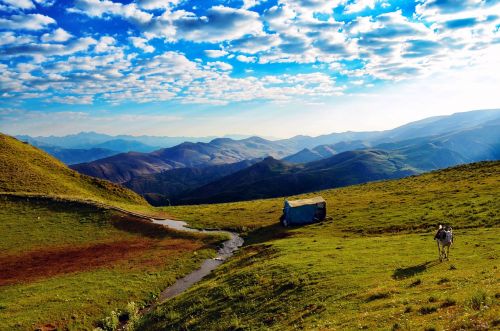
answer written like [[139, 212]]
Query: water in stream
[[227, 250]]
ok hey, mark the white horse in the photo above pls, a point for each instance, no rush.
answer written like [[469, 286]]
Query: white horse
[[444, 239]]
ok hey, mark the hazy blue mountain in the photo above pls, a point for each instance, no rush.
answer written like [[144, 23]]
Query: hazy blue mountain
[[324, 151], [123, 145], [123, 167], [80, 140], [480, 143], [300, 142], [440, 125], [159, 188], [304, 156], [427, 127], [73, 155]]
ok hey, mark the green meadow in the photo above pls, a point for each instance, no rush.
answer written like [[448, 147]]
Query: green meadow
[[69, 265], [70, 262], [372, 264]]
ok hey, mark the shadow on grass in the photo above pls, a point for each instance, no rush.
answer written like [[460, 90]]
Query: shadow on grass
[[266, 233], [139, 226], [402, 273]]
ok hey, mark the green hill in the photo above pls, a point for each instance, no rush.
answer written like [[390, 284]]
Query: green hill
[[66, 264], [372, 264], [25, 169]]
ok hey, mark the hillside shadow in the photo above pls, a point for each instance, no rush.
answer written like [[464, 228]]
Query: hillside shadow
[[266, 233], [402, 273], [139, 226]]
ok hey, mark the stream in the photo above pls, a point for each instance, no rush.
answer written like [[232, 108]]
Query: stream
[[226, 251]]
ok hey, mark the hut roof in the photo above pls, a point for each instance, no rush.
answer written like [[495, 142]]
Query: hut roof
[[305, 202]]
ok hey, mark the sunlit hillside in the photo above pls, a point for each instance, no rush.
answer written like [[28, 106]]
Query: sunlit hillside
[[372, 264]]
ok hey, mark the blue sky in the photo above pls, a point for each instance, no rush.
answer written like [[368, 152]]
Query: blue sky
[[273, 68]]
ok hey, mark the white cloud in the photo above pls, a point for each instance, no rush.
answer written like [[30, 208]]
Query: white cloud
[[360, 5], [105, 44], [246, 59], [142, 43], [58, 35], [100, 8], [255, 44], [21, 4], [43, 49], [307, 8], [215, 52], [157, 4], [26, 22], [247, 4], [10, 38], [220, 65], [73, 100], [219, 24]]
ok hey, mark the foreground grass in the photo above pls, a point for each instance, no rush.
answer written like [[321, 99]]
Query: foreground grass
[[371, 265], [103, 260], [337, 283]]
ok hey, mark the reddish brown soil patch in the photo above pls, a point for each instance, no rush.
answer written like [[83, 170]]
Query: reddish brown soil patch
[[53, 261]]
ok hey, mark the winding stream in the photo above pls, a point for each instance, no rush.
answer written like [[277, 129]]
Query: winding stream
[[226, 251]]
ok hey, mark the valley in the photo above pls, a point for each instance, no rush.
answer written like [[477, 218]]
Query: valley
[[249, 165], [81, 252]]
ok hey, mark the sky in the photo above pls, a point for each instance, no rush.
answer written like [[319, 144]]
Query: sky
[[274, 68]]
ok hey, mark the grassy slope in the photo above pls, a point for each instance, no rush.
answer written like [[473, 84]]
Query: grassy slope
[[79, 291], [352, 271], [67, 263], [25, 169], [463, 196]]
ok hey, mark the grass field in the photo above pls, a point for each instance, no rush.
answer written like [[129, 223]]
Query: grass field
[[69, 265], [371, 265]]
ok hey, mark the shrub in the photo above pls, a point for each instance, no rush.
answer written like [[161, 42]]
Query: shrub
[[132, 312], [427, 310], [432, 299], [478, 300], [448, 303], [443, 280], [377, 296], [110, 323], [416, 282]]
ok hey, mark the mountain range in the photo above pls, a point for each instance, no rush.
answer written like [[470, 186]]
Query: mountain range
[[123, 167], [90, 146], [225, 169], [274, 178]]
